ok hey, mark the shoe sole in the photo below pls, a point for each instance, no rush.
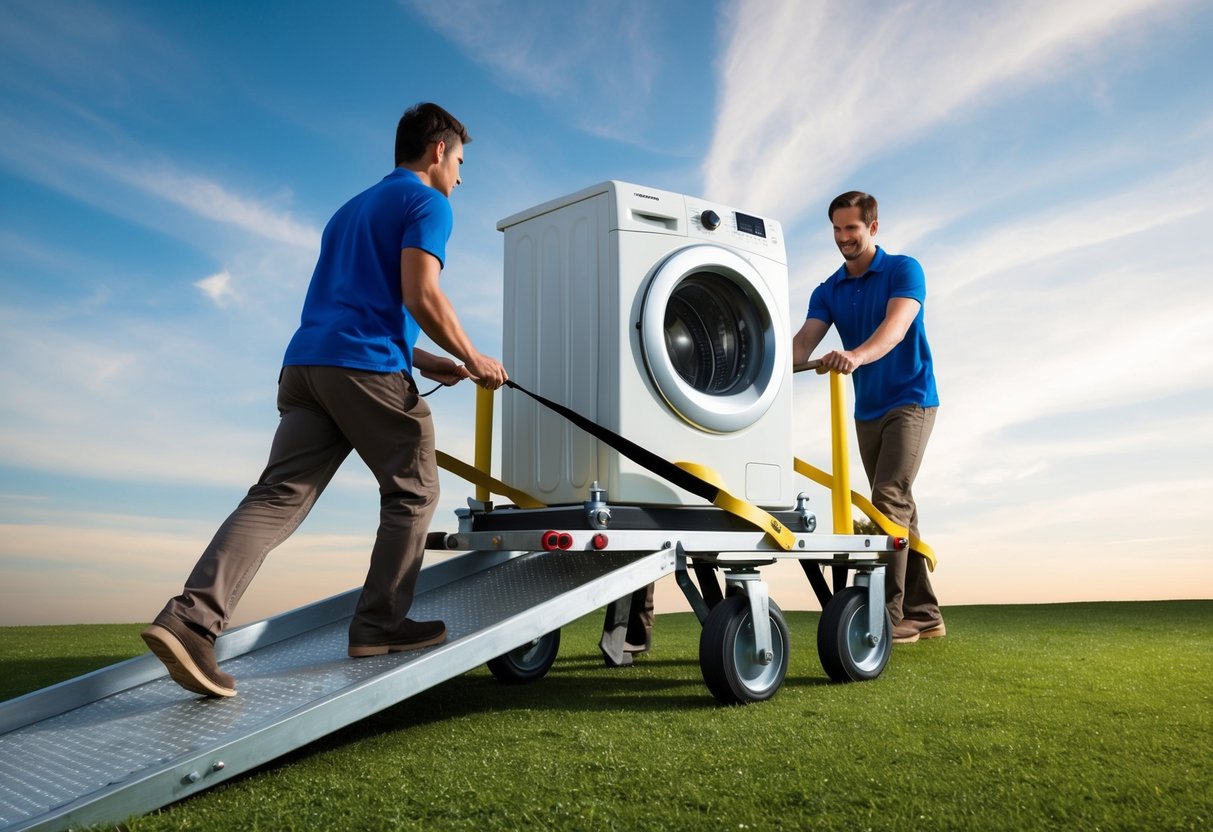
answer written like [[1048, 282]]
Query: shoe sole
[[363, 651], [938, 631], [183, 670], [907, 639]]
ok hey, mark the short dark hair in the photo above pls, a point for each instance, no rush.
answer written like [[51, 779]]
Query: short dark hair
[[422, 124], [866, 203]]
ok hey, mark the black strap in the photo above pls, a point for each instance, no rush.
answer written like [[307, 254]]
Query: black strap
[[641, 456]]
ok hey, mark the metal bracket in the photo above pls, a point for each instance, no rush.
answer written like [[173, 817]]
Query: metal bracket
[[597, 512], [753, 587], [808, 520], [873, 579], [465, 515], [698, 605]]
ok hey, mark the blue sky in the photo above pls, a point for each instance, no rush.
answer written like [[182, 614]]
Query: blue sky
[[166, 169]]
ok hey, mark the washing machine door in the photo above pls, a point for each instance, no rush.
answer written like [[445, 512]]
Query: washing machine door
[[711, 338]]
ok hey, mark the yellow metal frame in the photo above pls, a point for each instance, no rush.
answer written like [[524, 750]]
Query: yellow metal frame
[[484, 438], [842, 498], [840, 458]]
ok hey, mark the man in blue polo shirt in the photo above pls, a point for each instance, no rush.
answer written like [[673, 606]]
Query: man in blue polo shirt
[[347, 385], [875, 301]]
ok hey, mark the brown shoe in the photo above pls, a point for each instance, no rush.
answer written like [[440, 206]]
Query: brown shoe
[[413, 635], [904, 632], [188, 655]]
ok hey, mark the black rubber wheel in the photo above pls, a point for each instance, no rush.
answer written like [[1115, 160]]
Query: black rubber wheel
[[527, 663], [842, 638], [727, 656]]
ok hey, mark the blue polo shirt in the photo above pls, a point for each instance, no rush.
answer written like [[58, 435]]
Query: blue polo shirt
[[856, 306], [354, 315]]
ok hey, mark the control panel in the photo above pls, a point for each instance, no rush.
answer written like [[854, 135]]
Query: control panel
[[736, 228]]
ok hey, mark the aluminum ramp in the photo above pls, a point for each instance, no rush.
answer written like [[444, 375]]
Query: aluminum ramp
[[126, 739]]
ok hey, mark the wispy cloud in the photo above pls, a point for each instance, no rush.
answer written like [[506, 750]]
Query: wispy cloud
[[109, 180], [207, 198], [843, 82], [1072, 335], [599, 61], [1069, 226], [1052, 308]]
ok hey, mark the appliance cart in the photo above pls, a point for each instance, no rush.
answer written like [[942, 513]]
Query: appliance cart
[[741, 661]]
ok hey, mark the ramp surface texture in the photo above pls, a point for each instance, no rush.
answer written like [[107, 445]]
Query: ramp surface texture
[[149, 743]]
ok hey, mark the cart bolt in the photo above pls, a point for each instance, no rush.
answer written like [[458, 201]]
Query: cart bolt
[[496, 541], [193, 777], [872, 640], [766, 656], [218, 765]]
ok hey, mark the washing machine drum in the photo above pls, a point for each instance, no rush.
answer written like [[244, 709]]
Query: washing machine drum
[[709, 339]]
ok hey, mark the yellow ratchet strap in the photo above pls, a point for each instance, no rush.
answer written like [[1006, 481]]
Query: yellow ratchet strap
[[749, 512], [757, 517], [876, 515], [477, 477]]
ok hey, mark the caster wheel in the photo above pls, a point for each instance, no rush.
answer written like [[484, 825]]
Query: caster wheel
[[846, 653], [527, 663], [728, 657]]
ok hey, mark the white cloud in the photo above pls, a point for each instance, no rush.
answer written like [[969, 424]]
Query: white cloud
[[218, 287], [214, 201], [812, 91]]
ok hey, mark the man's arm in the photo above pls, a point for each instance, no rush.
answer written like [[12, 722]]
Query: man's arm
[[423, 297], [806, 340], [898, 316]]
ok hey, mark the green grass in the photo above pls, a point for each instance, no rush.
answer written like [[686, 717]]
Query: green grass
[[1069, 716]]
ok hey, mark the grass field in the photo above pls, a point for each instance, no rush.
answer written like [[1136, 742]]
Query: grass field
[[1070, 716]]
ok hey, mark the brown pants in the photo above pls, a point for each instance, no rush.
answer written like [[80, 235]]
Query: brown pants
[[325, 413], [891, 448]]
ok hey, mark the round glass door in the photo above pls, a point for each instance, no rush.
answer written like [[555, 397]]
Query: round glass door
[[709, 339]]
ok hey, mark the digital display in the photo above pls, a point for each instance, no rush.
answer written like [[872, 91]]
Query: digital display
[[750, 225]]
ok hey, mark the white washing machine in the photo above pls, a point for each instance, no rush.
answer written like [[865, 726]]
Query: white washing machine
[[660, 316]]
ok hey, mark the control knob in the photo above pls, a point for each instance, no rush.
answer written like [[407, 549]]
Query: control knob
[[710, 220]]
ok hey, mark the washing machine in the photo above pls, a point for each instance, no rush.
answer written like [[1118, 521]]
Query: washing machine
[[660, 316]]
